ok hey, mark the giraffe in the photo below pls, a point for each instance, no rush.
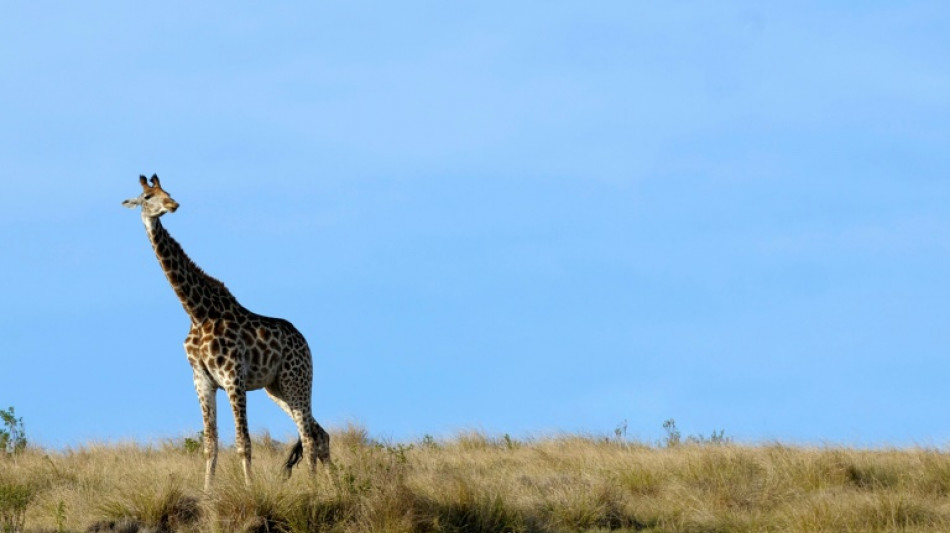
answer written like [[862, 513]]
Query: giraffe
[[233, 349]]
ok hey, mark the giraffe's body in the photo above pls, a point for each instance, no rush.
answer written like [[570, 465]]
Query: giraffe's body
[[234, 349]]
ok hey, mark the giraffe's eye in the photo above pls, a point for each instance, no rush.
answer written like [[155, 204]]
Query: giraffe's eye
[[148, 196]]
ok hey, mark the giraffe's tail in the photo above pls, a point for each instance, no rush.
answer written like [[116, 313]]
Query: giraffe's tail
[[296, 454]]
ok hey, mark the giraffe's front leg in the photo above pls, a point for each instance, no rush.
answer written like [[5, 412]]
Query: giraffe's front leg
[[242, 438], [207, 390]]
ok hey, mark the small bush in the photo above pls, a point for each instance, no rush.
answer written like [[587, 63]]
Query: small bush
[[14, 499], [13, 434], [429, 442], [673, 436], [194, 445]]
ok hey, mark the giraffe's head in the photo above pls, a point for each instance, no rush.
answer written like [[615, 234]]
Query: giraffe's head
[[154, 200]]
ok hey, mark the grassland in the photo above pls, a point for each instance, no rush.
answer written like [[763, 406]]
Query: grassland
[[474, 483]]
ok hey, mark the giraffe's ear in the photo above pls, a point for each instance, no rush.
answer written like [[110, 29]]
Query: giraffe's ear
[[155, 182], [132, 203]]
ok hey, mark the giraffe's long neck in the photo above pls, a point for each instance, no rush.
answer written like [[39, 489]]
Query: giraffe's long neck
[[202, 296]]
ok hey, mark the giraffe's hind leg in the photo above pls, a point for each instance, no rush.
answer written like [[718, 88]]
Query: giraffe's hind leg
[[314, 442], [321, 451], [322, 441], [320, 437], [296, 453]]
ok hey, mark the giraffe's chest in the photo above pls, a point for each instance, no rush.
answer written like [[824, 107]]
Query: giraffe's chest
[[234, 354]]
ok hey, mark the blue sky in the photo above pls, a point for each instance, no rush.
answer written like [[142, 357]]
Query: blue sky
[[526, 218]]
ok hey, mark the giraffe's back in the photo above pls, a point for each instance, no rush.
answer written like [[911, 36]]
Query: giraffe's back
[[249, 345]]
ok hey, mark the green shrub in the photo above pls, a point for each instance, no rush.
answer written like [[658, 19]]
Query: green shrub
[[13, 434], [14, 499]]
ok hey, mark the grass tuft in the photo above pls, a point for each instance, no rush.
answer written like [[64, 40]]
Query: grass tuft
[[159, 505]]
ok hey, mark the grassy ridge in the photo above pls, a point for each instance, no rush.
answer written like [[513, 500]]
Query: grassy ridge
[[475, 483]]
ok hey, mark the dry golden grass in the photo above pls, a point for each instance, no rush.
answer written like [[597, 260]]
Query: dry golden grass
[[474, 483]]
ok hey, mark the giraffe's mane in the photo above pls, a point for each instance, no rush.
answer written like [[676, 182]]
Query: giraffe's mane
[[200, 271]]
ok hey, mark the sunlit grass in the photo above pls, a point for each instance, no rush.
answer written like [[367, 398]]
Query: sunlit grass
[[475, 482]]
